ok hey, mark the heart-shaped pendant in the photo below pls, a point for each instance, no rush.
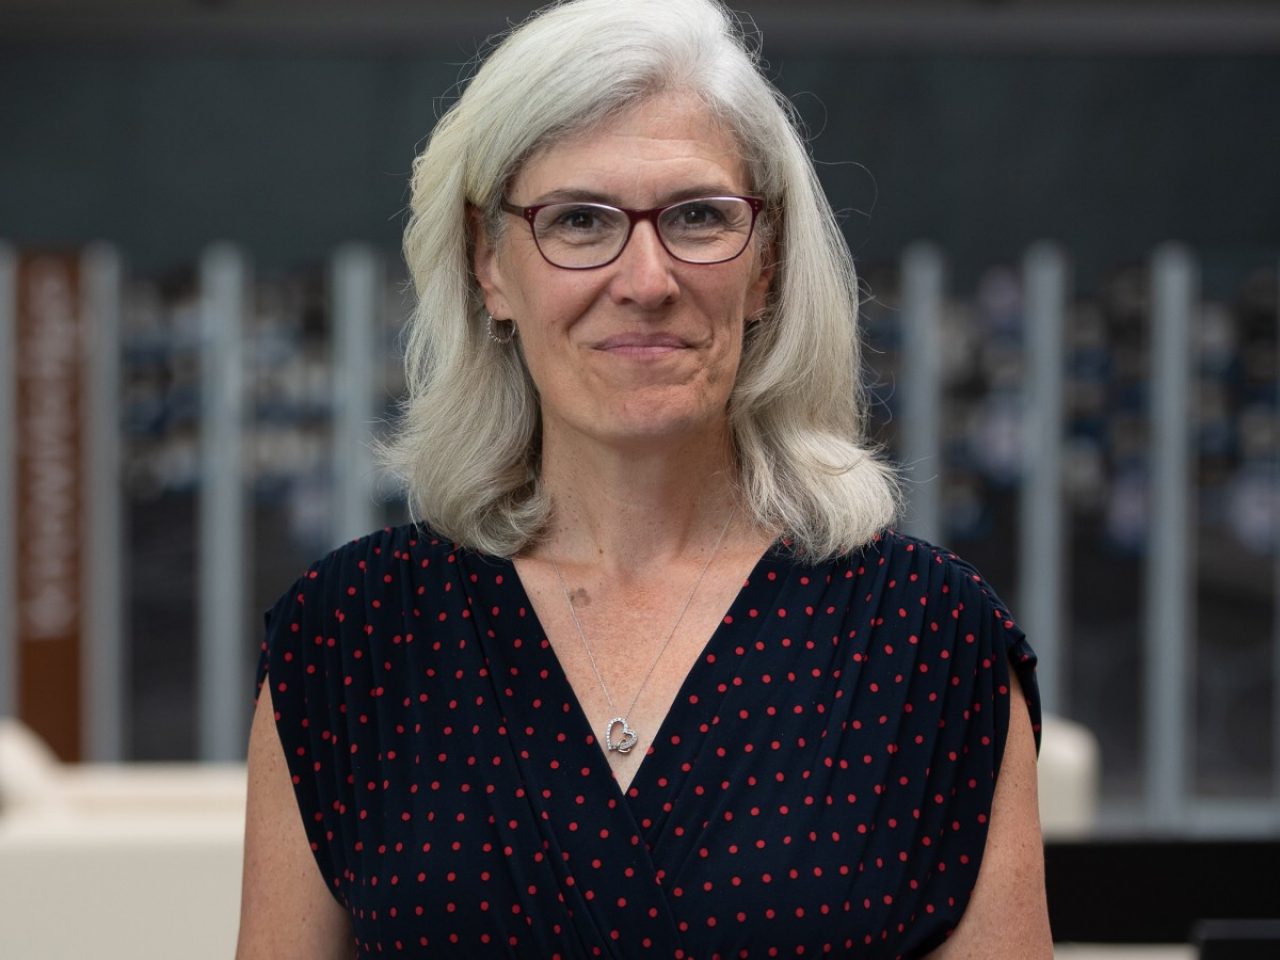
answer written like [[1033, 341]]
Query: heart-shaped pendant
[[625, 742]]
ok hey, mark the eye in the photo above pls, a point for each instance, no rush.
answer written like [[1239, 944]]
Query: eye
[[578, 225], [698, 214], [579, 218]]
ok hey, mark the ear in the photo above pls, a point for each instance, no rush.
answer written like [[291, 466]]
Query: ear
[[484, 264], [758, 294]]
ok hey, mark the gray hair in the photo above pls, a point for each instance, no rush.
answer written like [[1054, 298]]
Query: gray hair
[[468, 446]]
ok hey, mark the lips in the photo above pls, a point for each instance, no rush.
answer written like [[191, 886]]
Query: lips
[[642, 343]]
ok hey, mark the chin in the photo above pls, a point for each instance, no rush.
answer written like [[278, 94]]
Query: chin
[[657, 426]]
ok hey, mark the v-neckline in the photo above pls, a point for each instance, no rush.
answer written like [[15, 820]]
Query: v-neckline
[[735, 611]]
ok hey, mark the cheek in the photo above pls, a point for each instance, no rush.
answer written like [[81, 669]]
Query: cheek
[[548, 356], [722, 370], [533, 349]]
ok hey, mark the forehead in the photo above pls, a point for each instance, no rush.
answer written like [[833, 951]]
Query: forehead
[[640, 156]]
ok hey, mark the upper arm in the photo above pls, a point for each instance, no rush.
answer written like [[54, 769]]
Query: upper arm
[[1007, 917], [286, 911]]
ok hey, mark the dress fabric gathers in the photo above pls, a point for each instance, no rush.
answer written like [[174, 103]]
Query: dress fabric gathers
[[820, 786]]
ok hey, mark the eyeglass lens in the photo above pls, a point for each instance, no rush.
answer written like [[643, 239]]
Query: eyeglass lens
[[706, 230]]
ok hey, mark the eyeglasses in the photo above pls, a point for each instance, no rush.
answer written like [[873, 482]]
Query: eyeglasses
[[581, 236]]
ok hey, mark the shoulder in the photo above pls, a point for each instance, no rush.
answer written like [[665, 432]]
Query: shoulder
[[380, 588], [964, 614], [916, 595], [894, 546], [376, 554], [899, 566], [388, 547], [946, 583], [370, 578]]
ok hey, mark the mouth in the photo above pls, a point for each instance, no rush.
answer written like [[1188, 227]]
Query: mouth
[[641, 344]]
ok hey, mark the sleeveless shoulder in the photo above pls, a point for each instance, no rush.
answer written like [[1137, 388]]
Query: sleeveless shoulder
[[949, 590], [924, 709], [315, 655], [333, 581]]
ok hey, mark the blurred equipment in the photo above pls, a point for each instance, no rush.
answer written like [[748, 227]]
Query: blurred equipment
[[1238, 939], [102, 860], [1068, 774]]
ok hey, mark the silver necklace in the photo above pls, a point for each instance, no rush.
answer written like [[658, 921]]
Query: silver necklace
[[627, 737]]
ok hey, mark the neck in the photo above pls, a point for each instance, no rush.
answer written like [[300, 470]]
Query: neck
[[625, 509]]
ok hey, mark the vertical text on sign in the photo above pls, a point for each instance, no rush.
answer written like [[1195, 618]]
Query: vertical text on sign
[[49, 354]]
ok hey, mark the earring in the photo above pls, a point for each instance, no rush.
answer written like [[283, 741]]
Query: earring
[[493, 328]]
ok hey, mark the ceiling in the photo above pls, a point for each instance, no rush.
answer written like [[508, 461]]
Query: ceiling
[[1122, 26]]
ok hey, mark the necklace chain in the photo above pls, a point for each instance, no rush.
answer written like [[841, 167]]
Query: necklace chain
[[627, 738]]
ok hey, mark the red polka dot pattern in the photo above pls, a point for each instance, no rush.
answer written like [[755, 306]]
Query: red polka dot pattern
[[821, 785]]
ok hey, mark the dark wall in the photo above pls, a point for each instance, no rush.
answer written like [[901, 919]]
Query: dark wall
[[984, 154]]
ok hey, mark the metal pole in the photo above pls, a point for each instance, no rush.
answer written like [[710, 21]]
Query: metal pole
[[222, 559], [1275, 593], [103, 665], [922, 288], [356, 282], [8, 482], [1041, 549], [1170, 597]]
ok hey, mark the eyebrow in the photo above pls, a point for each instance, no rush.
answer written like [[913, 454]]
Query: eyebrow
[[586, 195]]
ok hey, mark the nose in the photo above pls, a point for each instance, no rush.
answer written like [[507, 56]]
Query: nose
[[644, 271]]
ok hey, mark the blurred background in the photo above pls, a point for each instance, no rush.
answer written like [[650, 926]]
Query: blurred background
[[1067, 222]]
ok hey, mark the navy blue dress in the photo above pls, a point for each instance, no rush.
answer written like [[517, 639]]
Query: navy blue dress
[[821, 785]]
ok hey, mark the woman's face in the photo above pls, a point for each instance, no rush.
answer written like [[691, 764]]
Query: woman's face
[[646, 348]]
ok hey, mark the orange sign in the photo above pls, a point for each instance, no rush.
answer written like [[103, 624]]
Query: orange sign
[[49, 486]]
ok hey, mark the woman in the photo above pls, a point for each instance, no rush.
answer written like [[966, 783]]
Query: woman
[[652, 677]]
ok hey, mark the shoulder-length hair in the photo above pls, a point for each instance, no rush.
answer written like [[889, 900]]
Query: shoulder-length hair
[[468, 446]]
